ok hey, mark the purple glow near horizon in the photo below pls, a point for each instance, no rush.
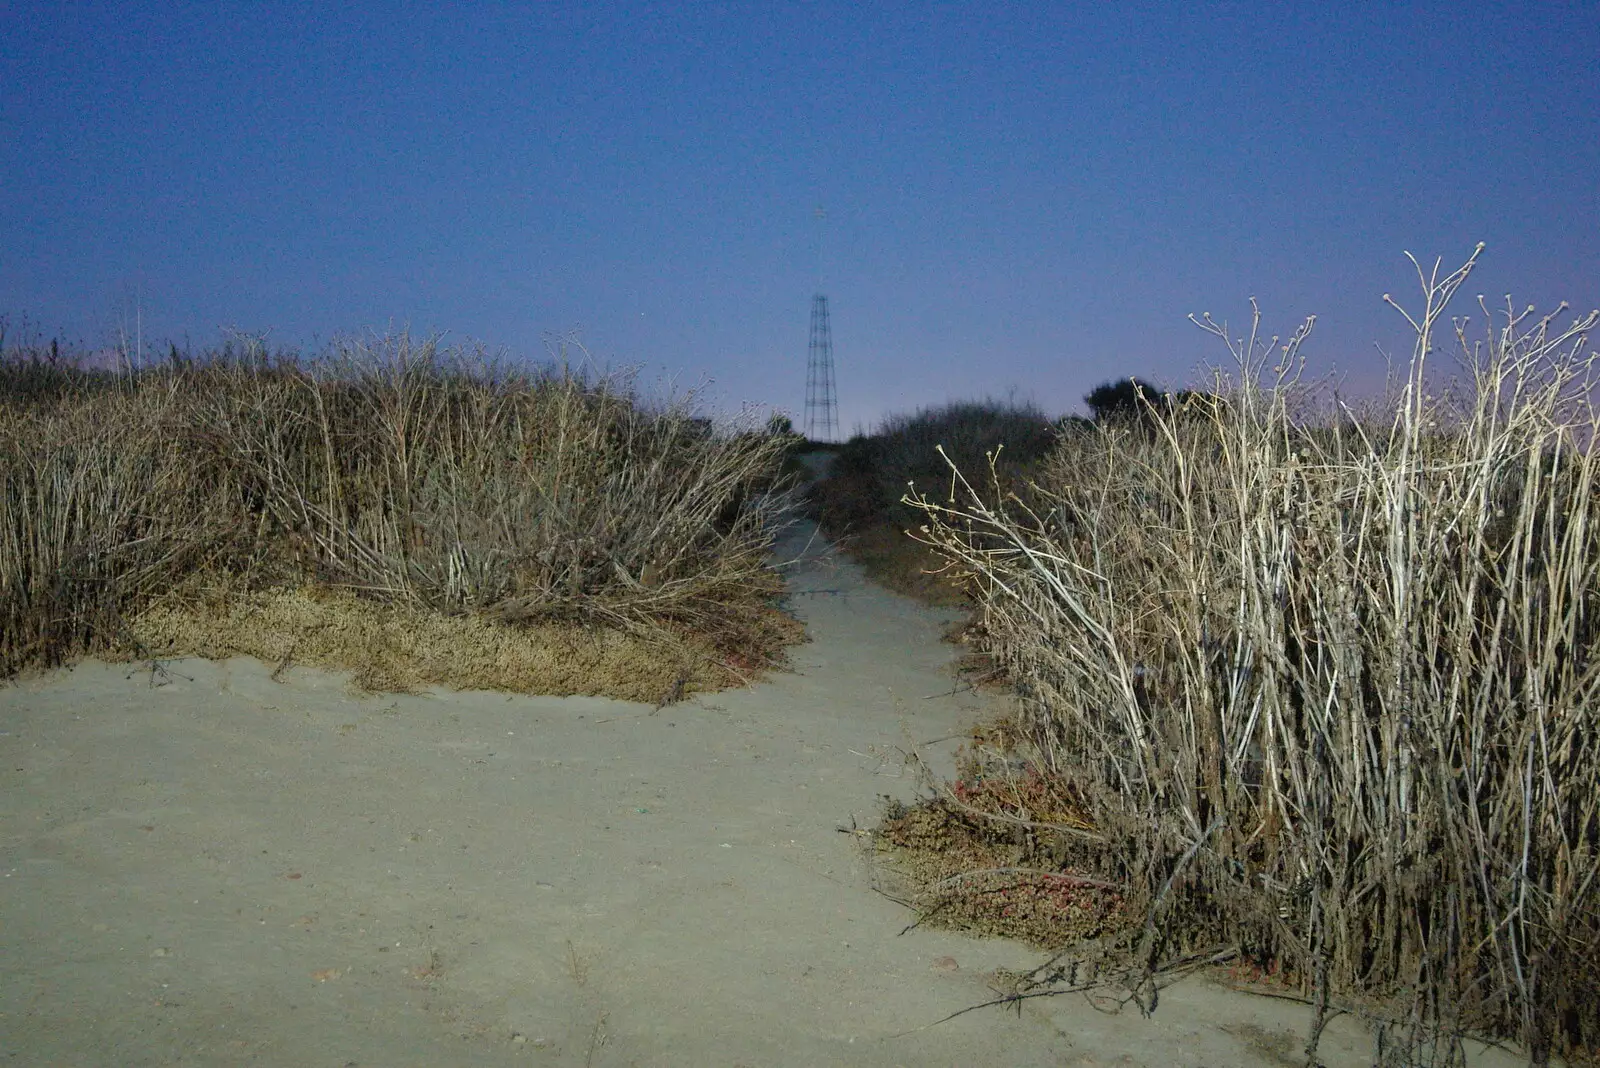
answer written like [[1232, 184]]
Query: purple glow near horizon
[[1025, 201]]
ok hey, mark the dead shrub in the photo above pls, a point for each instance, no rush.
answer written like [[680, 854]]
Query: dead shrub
[[425, 481], [1329, 688]]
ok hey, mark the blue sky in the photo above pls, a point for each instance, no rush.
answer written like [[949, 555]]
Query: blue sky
[[1022, 199]]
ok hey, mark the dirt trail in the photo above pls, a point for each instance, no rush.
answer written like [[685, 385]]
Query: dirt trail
[[229, 870]]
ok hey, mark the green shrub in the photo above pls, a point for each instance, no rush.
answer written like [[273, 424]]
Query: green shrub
[[870, 474]]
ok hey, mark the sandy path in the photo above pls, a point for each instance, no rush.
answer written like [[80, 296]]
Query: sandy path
[[230, 870]]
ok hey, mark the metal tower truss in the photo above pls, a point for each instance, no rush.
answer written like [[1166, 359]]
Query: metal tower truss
[[821, 403]]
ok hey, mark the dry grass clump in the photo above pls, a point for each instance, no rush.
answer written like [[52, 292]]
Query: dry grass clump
[[1329, 690], [400, 648], [437, 485]]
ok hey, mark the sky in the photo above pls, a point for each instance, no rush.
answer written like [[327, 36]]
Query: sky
[[1020, 200]]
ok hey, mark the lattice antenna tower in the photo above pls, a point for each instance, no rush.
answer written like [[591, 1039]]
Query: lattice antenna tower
[[822, 404]]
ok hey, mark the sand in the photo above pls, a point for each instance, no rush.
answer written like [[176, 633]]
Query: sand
[[216, 868]]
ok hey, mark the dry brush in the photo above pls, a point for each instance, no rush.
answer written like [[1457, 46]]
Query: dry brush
[[1330, 686], [388, 471]]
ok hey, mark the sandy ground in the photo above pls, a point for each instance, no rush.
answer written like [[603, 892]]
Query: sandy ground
[[223, 869]]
